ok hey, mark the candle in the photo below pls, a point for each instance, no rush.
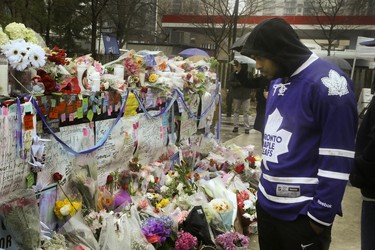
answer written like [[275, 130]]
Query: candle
[[3, 76], [95, 81], [81, 68], [142, 78]]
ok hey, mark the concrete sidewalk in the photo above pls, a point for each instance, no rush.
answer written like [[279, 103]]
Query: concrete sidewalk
[[345, 230]]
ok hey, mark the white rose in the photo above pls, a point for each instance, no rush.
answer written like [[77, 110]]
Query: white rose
[[65, 210]]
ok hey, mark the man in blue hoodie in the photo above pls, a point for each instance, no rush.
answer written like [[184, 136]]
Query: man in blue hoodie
[[309, 140]]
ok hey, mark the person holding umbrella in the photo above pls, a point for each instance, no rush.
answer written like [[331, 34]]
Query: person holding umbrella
[[309, 140]]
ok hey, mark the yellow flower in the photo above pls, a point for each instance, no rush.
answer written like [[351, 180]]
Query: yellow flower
[[139, 60], [153, 78], [163, 203], [65, 207]]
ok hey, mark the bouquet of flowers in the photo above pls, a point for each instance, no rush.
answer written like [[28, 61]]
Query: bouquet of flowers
[[64, 209], [84, 182], [22, 54], [157, 230], [246, 200], [224, 209], [232, 241], [185, 241], [20, 215]]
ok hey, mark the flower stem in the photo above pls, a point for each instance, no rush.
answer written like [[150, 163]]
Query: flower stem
[[58, 183]]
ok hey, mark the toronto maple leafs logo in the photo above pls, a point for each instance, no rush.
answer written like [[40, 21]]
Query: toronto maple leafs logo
[[275, 140], [336, 84]]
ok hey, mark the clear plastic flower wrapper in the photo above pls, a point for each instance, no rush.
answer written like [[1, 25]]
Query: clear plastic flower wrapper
[[225, 210], [77, 232], [123, 232], [225, 198], [20, 215], [84, 182]]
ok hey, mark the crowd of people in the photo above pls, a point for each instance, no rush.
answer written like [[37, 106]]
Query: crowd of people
[[312, 145]]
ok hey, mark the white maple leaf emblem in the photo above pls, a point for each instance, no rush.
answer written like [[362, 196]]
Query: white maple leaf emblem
[[336, 84], [276, 140]]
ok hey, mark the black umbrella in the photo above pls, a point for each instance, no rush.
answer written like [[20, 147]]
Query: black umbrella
[[240, 42], [339, 62]]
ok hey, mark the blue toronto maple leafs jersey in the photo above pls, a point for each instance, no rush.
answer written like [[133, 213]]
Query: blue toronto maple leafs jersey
[[308, 147]]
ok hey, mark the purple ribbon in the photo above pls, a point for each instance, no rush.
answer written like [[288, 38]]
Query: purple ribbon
[[102, 140]]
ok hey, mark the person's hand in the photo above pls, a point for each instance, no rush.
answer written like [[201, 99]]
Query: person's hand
[[316, 227]]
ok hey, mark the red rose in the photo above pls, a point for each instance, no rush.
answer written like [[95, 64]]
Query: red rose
[[109, 179], [125, 186], [48, 82], [57, 177], [251, 160], [144, 90], [240, 168]]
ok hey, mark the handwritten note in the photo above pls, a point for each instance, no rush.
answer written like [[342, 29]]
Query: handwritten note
[[149, 143], [58, 159], [13, 169], [119, 147], [189, 125]]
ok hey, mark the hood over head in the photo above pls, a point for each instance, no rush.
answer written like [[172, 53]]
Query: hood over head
[[276, 40]]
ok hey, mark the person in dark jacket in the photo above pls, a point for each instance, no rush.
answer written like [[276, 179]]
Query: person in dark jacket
[[309, 140], [363, 175], [241, 94], [261, 85]]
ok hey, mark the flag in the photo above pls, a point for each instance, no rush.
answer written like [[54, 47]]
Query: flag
[[110, 44]]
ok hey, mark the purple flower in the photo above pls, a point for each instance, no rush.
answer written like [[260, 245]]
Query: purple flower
[[232, 240], [122, 198], [160, 227]]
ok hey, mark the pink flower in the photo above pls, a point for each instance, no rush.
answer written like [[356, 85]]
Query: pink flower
[[182, 216], [143, 204], [185, 241], [98, 67]]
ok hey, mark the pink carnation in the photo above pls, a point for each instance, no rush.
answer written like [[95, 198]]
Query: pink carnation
[[182, 216], [143, 204], [186, 241]]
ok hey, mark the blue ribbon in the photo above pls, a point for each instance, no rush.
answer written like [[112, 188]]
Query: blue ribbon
[[19, 130], [176, 94], [102, 140]]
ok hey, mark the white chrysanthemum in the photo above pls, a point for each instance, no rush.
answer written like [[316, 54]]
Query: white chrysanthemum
[[37, 56], [164, 189]]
